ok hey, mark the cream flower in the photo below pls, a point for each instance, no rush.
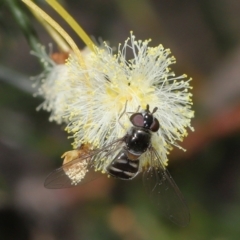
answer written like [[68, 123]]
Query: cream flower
[[91, 98], [96, 90]]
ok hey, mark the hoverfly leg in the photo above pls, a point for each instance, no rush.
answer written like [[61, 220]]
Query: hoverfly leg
[[124, 111]]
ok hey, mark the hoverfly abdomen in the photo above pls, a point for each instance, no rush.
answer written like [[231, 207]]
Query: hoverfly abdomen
[[122, 167]]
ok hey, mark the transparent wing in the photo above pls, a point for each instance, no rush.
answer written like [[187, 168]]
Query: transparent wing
[[59, 179], [164, 192]]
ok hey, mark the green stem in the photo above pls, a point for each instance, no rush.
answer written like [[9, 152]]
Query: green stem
[[19, 12]]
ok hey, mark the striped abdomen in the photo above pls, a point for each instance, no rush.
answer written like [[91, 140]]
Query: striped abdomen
[[122, 167]]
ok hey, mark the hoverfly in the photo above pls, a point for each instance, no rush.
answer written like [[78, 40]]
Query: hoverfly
[[125, 154]]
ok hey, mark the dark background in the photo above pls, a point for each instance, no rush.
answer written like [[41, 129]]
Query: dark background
[[204, 37]]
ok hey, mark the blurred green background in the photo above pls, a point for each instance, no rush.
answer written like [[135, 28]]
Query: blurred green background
[[204, 36]]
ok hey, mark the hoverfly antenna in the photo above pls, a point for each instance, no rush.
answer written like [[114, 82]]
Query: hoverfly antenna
[[147, 108], [154, 110]]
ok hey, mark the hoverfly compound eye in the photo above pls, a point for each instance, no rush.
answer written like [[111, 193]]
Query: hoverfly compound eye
[[137, 120], [145, 120], [155, 125]]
